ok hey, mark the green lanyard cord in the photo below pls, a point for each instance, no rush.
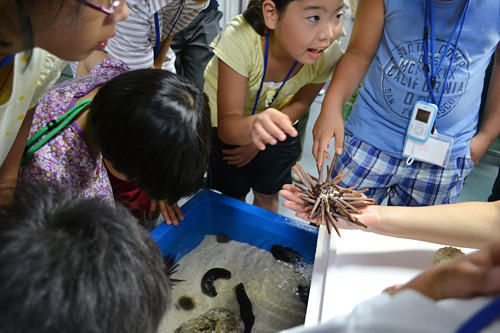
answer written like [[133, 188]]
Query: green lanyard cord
[[51, 130]]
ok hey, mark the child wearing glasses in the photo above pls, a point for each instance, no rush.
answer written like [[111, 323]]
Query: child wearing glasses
[[143, 39], [150, 127], [269, 65], [34, 37]]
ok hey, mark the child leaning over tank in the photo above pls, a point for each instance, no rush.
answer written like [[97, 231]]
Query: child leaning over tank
[[33, 36], [269, 65], [77, 265], [151, 127]]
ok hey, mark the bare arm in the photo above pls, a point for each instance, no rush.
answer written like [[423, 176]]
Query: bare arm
[[236, 129], [351, 69], [272, 125], [10, 168], [490, 126], [231, 91], [161, 57], [466, 224]]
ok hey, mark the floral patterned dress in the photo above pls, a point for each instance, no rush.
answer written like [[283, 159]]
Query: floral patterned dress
[[67, 160]]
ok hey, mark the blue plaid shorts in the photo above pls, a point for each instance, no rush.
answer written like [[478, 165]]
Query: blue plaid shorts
[[420, 184]]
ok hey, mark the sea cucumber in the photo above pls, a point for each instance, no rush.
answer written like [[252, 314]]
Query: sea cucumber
[[246, 312], [303, 292], [285, 254], [207, 283]]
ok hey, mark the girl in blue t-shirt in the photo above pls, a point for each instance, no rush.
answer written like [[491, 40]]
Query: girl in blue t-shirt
[[386, 50]]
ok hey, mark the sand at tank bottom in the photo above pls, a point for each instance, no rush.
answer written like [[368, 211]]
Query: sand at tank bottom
[[270, 285]]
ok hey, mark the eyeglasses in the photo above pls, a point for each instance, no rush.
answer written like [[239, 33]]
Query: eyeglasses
[[108, 11]]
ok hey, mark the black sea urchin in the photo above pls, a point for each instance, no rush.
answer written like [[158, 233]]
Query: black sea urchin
[[186, 302], [221, 238], [326, 202], [170, 268]]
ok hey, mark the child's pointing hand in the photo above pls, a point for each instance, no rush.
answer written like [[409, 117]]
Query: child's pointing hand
[[270, 126]]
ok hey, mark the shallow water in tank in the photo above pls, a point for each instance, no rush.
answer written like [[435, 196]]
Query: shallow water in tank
[[271, 285]]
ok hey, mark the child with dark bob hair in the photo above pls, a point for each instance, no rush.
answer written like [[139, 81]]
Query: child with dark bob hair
[[79, 265], [149, 127]]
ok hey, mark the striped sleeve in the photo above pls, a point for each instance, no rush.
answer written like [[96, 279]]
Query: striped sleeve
[[170, 14], [157, 5], [132, 43], [136, 36]]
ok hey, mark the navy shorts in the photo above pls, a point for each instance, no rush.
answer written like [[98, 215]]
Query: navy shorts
[[266, 173]]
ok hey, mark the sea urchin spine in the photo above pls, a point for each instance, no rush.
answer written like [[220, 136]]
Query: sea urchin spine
[[170, 268], [326, 201]]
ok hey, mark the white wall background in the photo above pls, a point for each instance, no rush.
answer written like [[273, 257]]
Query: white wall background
[[231, 8]]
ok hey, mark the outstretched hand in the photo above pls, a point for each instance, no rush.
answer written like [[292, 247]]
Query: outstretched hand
[[293, 202], [368, 215], [171, 214], [466, 277], [270, 126], [327, 126]]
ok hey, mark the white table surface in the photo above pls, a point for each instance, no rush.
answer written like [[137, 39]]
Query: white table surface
[[358, 266]]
